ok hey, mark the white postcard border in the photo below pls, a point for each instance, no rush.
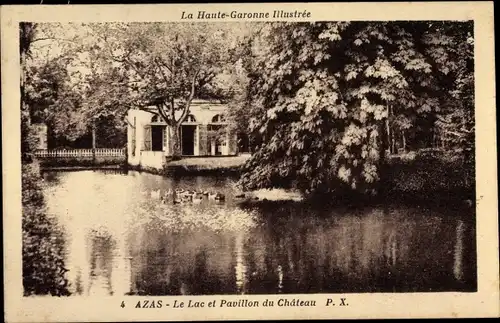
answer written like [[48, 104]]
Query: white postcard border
[[381, 305]]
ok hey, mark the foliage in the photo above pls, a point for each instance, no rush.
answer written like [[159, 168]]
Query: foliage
[[322, 96], [431, 172], [322, 102], [100, 71], [55, 90], [42, 240], [51, 100], [158, 67], [26, 34], [457, 123]]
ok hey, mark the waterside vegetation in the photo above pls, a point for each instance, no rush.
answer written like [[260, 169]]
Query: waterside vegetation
[[337, 111]]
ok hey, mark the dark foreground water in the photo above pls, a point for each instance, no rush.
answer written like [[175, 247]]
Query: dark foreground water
[[121, 239]]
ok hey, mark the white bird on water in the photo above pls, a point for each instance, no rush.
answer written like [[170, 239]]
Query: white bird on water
[[197, 199], [155, 194]]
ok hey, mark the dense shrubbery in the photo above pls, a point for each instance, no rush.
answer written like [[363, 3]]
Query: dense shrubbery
[[42, 238], [43, 245], [325, 101], [431, 171]]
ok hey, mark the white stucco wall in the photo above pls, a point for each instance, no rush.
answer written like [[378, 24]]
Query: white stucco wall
[[202, 111], [141, 119], [153, 159]]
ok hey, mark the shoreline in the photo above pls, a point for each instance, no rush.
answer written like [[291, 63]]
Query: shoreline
[[453, 201], [77, 168], [400, 185]]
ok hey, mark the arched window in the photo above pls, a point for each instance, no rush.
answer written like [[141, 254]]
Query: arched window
[[190, 118], [156, 118], [218, 118]]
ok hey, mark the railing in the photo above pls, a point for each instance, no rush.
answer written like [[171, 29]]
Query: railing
[[80, 153]]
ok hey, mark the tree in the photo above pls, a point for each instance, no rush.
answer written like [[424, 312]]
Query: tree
[[26, 37], [42, 240], [160, 68], [51, 93], [455, 56], [99, 71], [324, 97]]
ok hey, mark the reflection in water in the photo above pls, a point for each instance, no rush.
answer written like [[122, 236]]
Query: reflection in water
[[101, 258], [457, 266], [240, 267], [121, 241]]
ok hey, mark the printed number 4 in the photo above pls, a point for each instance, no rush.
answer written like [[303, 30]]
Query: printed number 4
[[122, 304]]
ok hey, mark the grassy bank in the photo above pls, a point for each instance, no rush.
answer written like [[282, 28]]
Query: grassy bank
[[414, 179], [206, 165], [444, 176]]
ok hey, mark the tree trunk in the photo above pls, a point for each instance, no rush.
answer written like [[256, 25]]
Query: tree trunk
[[175, 142], [93, 136], [93, 142], [388, 130], [382, 167], [404, 141], [384, 144]]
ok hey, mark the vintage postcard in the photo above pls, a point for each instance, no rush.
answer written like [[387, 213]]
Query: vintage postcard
[[249, 161]]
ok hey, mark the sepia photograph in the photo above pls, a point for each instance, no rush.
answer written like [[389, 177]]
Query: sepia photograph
[[205, 157]]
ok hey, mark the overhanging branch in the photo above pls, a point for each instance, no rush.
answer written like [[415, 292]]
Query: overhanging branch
[[161, 71], [191, 97], [163, 114], [149, 109], [162, 63], [52, 38]]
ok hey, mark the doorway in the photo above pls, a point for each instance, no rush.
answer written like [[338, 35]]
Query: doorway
[[156, 138], [218, 147], [187, 135]]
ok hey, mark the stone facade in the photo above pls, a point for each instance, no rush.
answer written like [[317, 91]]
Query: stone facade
[[148, 137]]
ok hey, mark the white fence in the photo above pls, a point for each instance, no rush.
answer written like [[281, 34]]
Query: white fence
[[80, 153]]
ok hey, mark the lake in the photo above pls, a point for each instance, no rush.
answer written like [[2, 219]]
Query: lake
[[120, 238]]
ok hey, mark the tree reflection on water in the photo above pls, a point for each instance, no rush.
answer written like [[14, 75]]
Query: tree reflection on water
[[121, 241]]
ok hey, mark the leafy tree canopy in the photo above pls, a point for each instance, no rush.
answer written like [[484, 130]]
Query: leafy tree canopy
[[321, 94], [158, 67]]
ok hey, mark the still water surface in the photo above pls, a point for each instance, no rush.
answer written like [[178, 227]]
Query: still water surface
[[121, 239]]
